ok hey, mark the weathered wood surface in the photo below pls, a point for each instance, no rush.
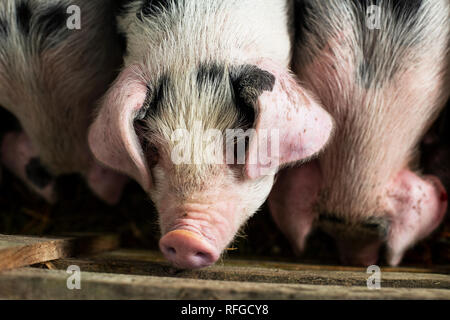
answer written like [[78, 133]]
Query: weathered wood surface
[[19, 251], [32, 283], [259, 274], [156, 256]]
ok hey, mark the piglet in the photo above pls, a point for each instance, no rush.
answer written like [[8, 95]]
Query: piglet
[[196, 72], [381, 71], [57, 58]]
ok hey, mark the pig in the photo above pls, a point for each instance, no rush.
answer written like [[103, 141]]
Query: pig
[[381, 72], [194, 66], [53, 69]]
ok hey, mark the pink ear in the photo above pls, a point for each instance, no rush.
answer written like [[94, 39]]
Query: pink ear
[[292, 202], [417, 206], [112, 137], [295, 125]]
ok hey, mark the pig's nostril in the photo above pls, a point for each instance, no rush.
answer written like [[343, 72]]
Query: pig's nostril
[[201, 255], [187, 250]]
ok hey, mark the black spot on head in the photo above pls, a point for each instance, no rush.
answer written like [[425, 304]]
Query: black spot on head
[[23, 17], [302, 12], [248, 83], [51, 24], [210, 73], [405, 11], [38, 174], [4, 30], [153, 7]]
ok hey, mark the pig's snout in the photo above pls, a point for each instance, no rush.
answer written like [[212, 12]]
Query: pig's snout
[[187, 250]]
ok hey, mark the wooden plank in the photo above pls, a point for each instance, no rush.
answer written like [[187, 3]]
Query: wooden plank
[[119, 262], [265, 262], [32, 283], [19, 251]]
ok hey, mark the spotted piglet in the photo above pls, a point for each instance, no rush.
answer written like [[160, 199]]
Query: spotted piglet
[[382, 72], [57, 58], [195, 73]]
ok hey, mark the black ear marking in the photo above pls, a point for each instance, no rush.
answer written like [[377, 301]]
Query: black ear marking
[[38, 174], [248, 83], [152, 7], [23, 17]]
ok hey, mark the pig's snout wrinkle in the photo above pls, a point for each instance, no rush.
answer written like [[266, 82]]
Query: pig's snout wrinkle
[[184, 249]]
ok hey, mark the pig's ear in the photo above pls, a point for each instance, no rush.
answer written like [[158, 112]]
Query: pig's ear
[[290, 125], [112, 137], [416, 208]]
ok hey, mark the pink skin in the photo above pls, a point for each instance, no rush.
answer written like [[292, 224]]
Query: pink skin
[[196, 234], [198, 225], [16, 152], [294, 195], [304, 127], [413, 205], [105, 183]]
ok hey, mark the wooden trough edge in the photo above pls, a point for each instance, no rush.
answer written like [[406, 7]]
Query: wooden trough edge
[[32, 283], [251, 273]]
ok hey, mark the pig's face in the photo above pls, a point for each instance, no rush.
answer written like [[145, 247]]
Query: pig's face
[[175, 135], [201, 196]]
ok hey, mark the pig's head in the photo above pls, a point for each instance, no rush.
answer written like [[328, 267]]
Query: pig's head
[[360, 217], [365, 190], [169, 133]]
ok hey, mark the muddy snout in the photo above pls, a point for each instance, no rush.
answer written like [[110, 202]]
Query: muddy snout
[[187, 250]]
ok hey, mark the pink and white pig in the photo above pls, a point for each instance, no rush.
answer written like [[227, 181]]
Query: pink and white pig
[[57, 58], [381, 72], [194, 67]]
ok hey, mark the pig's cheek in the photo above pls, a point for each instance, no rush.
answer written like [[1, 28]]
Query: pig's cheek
[[19, 156], [292, 202]]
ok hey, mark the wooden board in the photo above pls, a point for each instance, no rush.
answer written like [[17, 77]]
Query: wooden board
[[249, 273], [19, 251], [31, 283]]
